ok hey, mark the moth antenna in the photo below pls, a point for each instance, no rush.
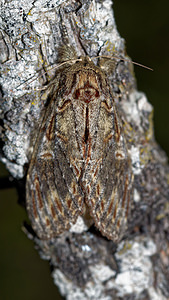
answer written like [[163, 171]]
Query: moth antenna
[[45, 72], [124, 59]]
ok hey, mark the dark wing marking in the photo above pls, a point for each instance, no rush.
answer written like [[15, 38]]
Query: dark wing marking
[[54, 199]]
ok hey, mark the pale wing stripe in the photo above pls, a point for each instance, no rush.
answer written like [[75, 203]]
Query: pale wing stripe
[[67, 182]]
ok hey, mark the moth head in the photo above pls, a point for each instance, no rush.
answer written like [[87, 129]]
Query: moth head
[[66, 53], [108, 65]]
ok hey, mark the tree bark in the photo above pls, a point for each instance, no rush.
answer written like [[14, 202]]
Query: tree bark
[[86, 265]]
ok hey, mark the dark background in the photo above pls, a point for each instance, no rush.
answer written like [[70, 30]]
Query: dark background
[[145, 27]]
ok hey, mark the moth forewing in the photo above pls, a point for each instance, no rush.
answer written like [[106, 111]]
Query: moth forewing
[[80, 157], [53, 196], [109, 198]]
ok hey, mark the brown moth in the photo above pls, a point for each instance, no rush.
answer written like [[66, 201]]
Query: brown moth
[[80, 161]]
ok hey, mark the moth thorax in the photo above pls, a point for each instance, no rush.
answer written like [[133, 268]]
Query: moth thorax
[[87, 87]]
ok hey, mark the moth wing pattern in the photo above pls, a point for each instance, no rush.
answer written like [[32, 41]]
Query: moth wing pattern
[[80, 158], [109, 199], [53, 197]]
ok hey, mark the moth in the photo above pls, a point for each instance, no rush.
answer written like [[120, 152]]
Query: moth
[[80, 163]]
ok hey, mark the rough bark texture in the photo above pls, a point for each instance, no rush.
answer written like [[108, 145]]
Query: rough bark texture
[[84, 264]]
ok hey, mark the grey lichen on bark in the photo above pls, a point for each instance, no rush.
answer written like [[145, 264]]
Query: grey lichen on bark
[[86, 265]]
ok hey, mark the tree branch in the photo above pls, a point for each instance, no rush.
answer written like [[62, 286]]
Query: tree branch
[[85, 265]]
